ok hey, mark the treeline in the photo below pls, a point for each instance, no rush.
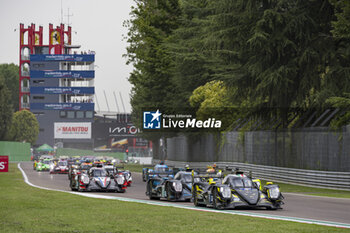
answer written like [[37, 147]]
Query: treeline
[[262, 58], [21, 126]]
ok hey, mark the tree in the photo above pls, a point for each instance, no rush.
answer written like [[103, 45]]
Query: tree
[[24, 127], [10, 73], [212, 101], [5, 109], [151, 24]]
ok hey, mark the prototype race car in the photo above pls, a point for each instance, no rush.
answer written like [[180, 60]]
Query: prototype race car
[[173, 189], [159, 168], [97, 179], [43, 165], [235, 190], [61, 167], [126, 173]]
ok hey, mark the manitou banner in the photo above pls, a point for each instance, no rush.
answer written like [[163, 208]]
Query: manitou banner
[[70, 130], [4, 163]]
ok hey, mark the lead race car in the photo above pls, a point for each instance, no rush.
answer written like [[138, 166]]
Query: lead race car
[[97, 179], [233, 191]]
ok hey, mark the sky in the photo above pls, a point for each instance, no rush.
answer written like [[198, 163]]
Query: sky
[[96, 24]]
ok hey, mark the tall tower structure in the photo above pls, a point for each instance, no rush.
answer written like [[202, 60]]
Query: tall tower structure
[[57, 85]]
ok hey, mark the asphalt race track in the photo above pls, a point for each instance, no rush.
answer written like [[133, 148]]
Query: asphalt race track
[[299, 206]]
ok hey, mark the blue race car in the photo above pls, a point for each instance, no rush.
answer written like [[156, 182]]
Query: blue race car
[[178, 188], [158, 169]]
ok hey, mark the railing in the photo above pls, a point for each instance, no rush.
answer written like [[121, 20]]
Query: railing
[[25, 105], [25, 89], [312, 178]]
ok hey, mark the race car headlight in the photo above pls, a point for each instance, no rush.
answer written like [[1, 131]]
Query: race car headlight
[[177, 186], [120, 180], [85, 179], [225, 192], [274, 192]]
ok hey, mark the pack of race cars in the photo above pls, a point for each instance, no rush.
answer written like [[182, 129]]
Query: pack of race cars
[[212, 187], [87, 173]]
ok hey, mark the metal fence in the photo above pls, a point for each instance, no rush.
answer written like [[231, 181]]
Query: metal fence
[[310, 148], [17, 151], [313, 178]]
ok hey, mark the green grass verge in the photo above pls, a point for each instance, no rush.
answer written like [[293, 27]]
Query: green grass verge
[[290, 188], [27, 209]]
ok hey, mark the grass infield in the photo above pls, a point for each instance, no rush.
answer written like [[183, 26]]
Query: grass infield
[[27, 209]]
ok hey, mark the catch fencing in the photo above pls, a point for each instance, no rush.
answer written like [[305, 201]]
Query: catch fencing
[[17, 151], [310, 148], [313, 178]]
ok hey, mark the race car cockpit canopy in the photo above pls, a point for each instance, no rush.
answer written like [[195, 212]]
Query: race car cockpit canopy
[[98, 172], [238, 181]]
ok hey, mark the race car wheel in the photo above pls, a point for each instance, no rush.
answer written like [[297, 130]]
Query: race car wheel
[[195, 197], [216, 203], [151, 197], [168, 191]]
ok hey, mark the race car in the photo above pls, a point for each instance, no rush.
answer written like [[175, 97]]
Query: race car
[[115, 170], [43, 165], [61, 167], [159, 168], [97, 179], [235, 190], [178, 188], [126, 173]]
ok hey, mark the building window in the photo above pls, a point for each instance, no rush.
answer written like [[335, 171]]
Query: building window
[[63, 114], [80, 114], [89, 114], [38, 97], [70, 114]]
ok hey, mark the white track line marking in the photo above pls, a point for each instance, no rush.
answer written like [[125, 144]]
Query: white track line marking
[[167, 204]]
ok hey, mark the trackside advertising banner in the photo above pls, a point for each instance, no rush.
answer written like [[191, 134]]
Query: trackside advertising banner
[[4, 163], [70, 130]]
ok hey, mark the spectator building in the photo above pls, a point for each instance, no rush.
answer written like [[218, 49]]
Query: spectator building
[[56, 83]]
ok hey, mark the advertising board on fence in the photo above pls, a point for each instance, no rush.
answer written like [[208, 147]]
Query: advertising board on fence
[[4, 163], [69, 130]]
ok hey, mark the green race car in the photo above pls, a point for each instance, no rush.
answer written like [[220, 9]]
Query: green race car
[[43, 165]]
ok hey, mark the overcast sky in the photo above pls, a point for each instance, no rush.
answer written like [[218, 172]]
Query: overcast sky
[[99, 27]]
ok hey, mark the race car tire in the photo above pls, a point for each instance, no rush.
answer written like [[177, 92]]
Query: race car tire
[[216, 205], [151, 197], [195, 198], [168, 191]]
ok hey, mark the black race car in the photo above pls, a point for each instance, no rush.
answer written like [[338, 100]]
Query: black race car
[[234, 190]]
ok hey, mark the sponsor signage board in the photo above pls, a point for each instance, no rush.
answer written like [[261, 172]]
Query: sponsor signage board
[[63, 57], [62, 106], [72, 130], [4, 163], [104, 130], [62, 90], [62, 74]]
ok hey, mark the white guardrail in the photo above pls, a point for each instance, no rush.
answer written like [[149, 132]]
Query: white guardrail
[[313, 178]]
